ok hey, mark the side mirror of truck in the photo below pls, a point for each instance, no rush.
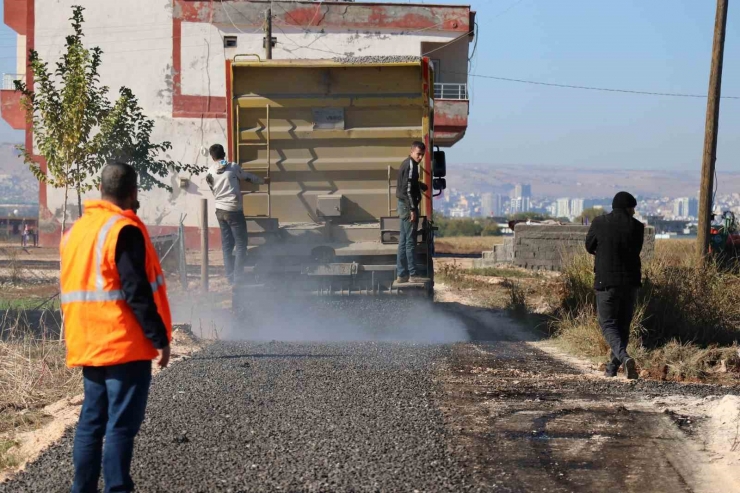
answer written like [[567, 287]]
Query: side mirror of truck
[[439, 164], [439, 184]]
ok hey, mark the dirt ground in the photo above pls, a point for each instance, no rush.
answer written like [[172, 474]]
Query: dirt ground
[[530, 418], [466, 245]]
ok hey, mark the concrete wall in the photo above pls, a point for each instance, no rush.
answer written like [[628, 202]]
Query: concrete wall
[[501, 254], [140, 52], [453, 60], [546, 247]]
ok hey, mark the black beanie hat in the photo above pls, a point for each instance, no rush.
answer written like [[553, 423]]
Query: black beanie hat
[[624, 200]]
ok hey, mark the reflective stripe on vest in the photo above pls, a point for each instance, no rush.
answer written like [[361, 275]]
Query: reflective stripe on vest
[[100, 294]]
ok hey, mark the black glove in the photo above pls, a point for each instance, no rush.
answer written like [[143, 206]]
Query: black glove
[[423, 186]]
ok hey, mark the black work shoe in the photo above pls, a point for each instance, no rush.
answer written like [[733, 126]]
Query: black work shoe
[[610, 373], [630, 369]]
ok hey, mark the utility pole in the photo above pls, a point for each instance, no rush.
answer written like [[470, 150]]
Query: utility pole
[[710, 132], [268, 34], [204, 245]]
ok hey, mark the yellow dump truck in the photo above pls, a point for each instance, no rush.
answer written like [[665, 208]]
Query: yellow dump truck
[[330, 135]]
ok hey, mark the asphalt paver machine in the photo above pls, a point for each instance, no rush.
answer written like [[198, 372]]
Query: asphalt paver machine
[[330, 135]]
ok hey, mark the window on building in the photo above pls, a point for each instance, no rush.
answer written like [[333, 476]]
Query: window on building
[[229, 41]]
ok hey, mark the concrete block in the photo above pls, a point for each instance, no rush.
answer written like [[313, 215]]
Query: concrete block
[[549, 247]]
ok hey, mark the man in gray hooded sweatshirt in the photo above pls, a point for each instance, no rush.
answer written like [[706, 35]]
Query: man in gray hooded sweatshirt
[[223, 179]]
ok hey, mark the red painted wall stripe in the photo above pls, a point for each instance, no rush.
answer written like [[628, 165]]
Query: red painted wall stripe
[[12, 110], [15, 13], [231, 152]]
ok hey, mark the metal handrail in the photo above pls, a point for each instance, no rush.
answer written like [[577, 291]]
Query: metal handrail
[[267, 145], [8, 80], [451, 90]]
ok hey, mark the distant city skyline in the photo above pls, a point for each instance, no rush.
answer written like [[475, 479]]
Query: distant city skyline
[[460, 204]]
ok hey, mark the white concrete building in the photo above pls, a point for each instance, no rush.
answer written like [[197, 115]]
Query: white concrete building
[[173, 54], [576, 207], [562, 207], [686, 208]]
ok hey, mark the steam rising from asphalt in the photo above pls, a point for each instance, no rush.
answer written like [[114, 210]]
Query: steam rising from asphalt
[[270, 317]]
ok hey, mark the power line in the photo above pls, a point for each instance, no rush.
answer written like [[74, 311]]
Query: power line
[[308, 47], [588, 88], [318, 8], [226, 11], [507, 9], [462, 36]]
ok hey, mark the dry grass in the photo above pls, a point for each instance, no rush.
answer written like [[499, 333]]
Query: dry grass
[[15, 269], [7, 457], [517, 304], [518, 291], [687, 323], [33, 374], [482, 293], [465, 245], [505, 272]]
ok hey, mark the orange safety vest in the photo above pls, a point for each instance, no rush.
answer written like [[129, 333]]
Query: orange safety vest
[[100, 328]]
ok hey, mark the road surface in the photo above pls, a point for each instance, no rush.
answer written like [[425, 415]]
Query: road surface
[[492, 414]]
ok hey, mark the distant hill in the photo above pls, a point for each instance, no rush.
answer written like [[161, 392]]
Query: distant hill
[[571, 182], [17, 183]]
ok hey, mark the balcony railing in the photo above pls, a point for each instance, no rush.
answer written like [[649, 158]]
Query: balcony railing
[[9, 78], [450, 90]]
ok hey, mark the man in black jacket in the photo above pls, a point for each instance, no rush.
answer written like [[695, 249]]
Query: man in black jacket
[[408, 193], [616, 241]]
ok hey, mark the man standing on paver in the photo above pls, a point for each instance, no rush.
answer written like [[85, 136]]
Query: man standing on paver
[[408, 193], [223, 178], [116, 321], [616, 241]]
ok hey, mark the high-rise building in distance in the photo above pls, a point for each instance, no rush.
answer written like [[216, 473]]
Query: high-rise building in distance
[[521, 190], [562, 207], [521, 198], [686, 207], [576, 207], [521, 204], [491, 204]]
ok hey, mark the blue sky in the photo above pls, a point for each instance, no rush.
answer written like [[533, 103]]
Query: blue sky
[[7, 66], [649, 45]]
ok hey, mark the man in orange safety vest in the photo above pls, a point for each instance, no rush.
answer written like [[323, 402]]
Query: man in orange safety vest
[[117, 320]]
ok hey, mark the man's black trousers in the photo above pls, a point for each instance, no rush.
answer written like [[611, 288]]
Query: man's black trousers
[[616, 306]]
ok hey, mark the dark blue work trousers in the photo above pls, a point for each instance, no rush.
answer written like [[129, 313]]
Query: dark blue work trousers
[[406, 259], [114, 407], [233, 242]]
